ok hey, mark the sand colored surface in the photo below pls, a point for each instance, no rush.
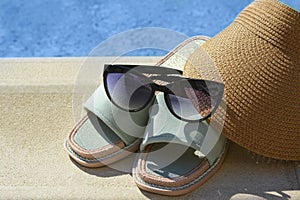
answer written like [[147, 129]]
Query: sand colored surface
[[36, 114]]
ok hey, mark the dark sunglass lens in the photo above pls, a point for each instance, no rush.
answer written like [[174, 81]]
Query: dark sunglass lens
[[128, 90], [192, 104]]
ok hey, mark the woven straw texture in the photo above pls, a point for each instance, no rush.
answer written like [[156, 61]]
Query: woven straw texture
[[258, 59]]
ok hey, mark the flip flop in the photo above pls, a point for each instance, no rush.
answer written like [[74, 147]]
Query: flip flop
[[98, 140], [177, 156]]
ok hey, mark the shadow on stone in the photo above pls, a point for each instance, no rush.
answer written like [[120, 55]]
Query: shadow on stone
[[245, 175]]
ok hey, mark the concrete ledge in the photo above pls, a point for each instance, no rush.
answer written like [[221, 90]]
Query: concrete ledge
[[36, 102], [55, 75]]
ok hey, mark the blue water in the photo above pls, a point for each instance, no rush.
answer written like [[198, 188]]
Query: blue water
[[43, 28]]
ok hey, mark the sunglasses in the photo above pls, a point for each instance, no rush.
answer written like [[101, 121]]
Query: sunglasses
[[133, 87]]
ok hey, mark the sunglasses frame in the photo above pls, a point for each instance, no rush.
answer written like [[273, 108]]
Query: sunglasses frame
[[173, 76]]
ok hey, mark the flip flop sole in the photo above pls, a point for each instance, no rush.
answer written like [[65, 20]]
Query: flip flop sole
[[107, 153], [103, 161], [208, 172]]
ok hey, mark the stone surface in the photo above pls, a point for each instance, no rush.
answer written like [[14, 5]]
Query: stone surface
[[34, 123], [297, 172]]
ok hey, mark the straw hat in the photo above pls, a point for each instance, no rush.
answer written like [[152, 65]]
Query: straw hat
[[258, 58]]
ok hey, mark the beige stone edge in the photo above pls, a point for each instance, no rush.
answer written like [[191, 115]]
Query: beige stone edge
[[55, 75]]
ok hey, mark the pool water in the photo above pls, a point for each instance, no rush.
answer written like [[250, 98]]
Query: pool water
[[46, 28]]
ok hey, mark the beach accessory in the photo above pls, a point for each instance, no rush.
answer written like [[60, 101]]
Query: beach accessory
[[132, 87], [177, 156], [257, 57], [107, 133]]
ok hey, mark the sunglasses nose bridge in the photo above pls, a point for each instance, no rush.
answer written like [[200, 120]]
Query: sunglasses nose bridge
[[160, 88]]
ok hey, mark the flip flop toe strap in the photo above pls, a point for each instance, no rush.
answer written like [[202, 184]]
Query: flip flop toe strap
[[163, 127], [127, 125]]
